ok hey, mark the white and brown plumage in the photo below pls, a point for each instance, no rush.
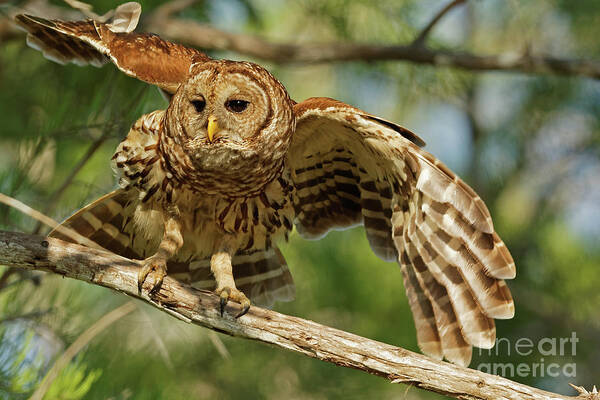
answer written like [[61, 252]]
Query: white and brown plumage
[[210, 185]]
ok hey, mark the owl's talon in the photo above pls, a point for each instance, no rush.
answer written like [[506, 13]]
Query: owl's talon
[[224, 299], [156, 269], [246, 307], [233, 294]]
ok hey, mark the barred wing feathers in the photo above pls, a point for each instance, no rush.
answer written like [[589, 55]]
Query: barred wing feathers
[[146, 57], [349, 167], [105, 223]]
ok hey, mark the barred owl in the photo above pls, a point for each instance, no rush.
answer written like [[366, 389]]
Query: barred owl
[[209, 186]]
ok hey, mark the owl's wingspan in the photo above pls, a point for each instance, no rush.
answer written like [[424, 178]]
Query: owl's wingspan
[[349, 167], [143, 56]]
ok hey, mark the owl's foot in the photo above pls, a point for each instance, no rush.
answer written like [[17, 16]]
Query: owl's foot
[[154, 269], [228, 293]]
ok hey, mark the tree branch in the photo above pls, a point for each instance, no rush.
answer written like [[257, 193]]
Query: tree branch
[[302, 336], [420, 39], [209, 38]]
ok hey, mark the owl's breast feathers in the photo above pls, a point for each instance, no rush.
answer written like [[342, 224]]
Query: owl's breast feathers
[[256, 220]]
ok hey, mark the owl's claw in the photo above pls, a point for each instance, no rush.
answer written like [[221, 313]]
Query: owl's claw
[[224, 297], [245, 309], [154, 268], [233, 294]]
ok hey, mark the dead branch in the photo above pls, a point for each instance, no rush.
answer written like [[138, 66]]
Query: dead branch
[[302, 336]]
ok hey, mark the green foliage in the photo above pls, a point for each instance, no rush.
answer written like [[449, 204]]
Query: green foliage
[[18, 373], [23, 365], [73, 383]]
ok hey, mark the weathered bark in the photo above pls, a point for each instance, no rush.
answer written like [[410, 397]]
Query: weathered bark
[[302, 336]]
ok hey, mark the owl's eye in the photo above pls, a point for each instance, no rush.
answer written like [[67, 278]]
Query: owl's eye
[[199, 104], [236, 106]]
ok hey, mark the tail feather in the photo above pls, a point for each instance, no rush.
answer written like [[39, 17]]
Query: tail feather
[[268, 280], [262, 275]]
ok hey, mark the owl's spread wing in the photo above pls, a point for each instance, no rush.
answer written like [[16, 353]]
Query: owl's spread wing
[[143, 56], [349, 167]]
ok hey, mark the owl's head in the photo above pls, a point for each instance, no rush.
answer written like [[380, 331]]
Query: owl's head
[[233, 121]]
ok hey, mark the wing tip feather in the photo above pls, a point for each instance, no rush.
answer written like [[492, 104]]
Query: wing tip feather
[[433, 349], [459, 355]]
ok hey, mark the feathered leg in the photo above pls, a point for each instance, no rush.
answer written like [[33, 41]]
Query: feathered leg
[[220, 265], [155, 266]]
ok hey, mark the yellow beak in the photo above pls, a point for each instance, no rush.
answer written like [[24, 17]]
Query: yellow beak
[[213, 127]]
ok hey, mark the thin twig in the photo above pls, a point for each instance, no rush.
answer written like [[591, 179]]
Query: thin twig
[[219, 345], [420, 39], [158, 340], [35, 214], [172, 7], [83, 339], [302, 336], [55, 197]]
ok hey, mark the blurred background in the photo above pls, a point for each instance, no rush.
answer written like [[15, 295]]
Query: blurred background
[[529, 144]]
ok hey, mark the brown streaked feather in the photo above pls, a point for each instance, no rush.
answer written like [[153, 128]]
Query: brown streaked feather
[[263, 275], [487, 247], [264, 279], [415, 211], [323, 103], [143, 56], [438, 182], [478, 329], [454, 346], [105, 222], [327, 187], [401, 130], [450, 253], [428, 337], [376, 209]]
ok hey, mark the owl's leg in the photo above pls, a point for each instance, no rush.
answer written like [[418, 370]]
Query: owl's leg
[[220, 265], [155, 266]]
